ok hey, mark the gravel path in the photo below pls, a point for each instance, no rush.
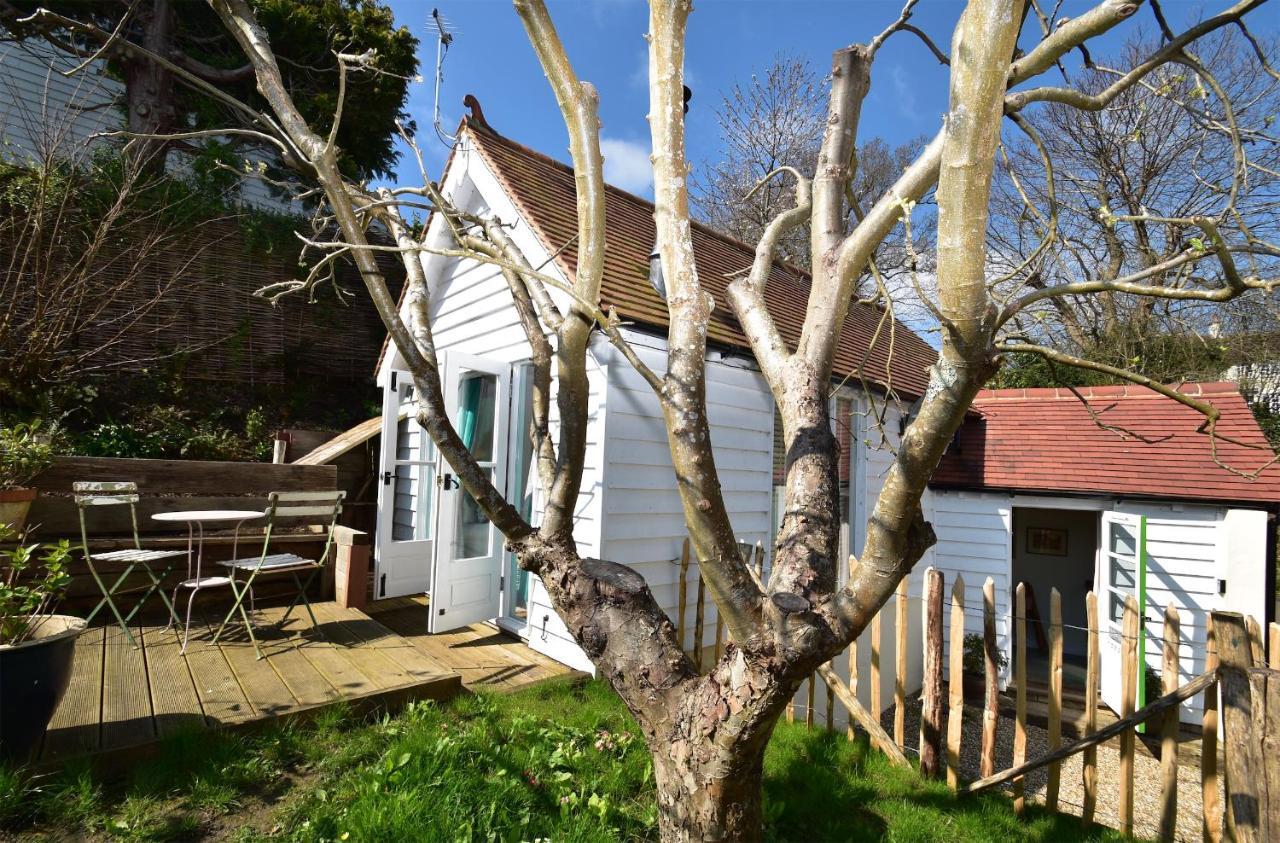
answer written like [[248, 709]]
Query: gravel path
[[1146, 778]]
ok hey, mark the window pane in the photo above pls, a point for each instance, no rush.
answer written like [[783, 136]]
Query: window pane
[[472, 528], [477, 403], [1123, 540], [407, 439], [404, 515]]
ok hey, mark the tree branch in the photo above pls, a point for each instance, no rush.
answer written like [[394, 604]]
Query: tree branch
[[684, 388], [746, 293]]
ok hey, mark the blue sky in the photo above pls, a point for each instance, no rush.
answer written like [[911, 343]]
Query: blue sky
[[728, 40]]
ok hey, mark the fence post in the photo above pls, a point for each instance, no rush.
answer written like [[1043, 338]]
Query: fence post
[[1020, 676], [1169, 735], [831, 700], [1273, 645], [853, 665], [1211, 807], [1129, 668], [1055, 697], [1089, 763], [808, 711], [991, 690], [1246, 777], [931, 694], [697, 621], [955, 705], [877, 706], [901, 628], [1255, 640], [684, 592]]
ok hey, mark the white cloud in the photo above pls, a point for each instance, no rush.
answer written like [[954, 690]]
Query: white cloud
[[904, 92], [626, 164]]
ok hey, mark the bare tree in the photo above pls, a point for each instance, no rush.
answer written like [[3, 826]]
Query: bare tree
[[1158, 149], [708, 733], [770, 130], [92, 246]]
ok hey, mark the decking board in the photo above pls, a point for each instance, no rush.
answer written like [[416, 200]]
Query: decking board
[[127, 718], [175, 704], [342, 677], [485, 657], [219, 691], [266, 691], [76, 725]]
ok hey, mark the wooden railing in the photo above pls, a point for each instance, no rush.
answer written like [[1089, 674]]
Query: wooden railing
[[1234, 664]]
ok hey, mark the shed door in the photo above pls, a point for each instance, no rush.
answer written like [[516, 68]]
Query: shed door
[[406, 514], [467, 570], [1122, 571]]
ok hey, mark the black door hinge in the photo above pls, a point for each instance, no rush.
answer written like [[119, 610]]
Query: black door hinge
[[393, 380], [382, 586]]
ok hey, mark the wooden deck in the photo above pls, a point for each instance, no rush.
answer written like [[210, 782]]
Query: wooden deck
[[122, 700], [483, 656]]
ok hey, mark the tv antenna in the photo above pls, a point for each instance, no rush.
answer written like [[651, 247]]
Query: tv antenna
[[445, 33]]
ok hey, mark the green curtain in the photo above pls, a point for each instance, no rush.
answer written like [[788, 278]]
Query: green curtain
[[469, 413]]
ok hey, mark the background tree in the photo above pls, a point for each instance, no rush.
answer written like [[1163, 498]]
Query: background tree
[[1159, 150], [161, 101], [88, 242], [707, 733], [770, 129]]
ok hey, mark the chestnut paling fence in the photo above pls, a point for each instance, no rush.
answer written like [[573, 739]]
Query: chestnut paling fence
[[1239, 691]]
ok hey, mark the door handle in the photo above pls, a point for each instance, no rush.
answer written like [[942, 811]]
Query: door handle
[[447, 482], [386, 478]]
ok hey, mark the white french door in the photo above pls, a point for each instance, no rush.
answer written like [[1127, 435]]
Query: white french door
[[1122, 571], [467, 565], [406, 499]]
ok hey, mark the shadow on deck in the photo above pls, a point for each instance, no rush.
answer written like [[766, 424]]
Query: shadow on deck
[[483, 656], [121, 700]]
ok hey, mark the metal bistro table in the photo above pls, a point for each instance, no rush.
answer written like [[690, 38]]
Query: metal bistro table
[[195, 520]]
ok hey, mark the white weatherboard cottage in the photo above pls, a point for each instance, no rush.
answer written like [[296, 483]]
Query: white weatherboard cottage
[[433, 540]]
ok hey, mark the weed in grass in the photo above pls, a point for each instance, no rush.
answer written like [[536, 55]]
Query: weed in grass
[[212, 795], [71, 799], [13, 795]]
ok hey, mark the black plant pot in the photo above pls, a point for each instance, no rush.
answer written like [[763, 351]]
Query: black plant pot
[[33, 677]]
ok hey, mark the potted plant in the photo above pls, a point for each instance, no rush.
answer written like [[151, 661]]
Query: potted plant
[[975, 668], [37, 647], [23, 455]]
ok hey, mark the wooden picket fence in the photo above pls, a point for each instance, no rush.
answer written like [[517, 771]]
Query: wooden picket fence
[[1238, 664]]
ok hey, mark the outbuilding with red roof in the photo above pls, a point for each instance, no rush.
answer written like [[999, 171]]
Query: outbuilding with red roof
[[1116, 489]]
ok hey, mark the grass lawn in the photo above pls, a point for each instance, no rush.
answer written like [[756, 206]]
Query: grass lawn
[[560, 762]]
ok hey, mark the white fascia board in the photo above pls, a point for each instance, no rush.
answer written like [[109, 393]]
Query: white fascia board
[[472, 187]]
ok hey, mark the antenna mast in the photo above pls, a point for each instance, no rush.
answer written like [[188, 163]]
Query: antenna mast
[[444, 37]]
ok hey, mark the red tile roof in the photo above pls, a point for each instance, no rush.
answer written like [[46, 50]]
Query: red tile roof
[[1046, 440], [887, 354]]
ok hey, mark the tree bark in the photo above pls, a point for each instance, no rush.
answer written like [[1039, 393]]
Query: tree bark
[[695, 803], [150, 89]]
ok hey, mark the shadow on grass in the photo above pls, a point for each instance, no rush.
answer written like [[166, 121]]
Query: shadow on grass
[[825, 787]]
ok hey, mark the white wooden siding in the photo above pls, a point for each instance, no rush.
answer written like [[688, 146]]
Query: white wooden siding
[[643, 524], [44, 114], [1184, 545]]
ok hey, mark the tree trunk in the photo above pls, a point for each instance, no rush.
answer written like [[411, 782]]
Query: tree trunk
[[151, 90], [713, 793]]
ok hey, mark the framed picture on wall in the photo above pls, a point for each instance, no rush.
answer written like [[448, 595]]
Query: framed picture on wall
[[1047, 541]]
